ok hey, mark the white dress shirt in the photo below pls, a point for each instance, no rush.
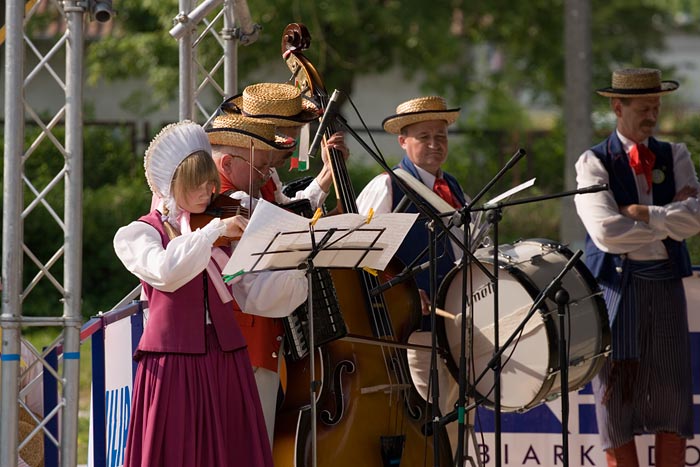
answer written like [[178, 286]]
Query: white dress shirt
[[617, 234], [377, 194], [314, 193]]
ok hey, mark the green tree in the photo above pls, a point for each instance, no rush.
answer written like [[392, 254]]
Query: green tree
[[493, 55], [497, 59], [114, 193]]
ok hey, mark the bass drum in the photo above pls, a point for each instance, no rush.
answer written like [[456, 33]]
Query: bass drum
[[530, 365]]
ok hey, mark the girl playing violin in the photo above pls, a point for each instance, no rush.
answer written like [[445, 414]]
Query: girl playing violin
[[194, 399]]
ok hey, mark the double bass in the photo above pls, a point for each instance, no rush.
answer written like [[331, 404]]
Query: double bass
[[368, 412]]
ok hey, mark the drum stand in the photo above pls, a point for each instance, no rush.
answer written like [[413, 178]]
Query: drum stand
[[561, 297], [461, 454], [494, 215]]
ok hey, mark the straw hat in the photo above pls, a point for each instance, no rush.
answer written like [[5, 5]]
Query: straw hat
[[33, 452], [168, 149], [421, 109], [239, 131], [280, 103], [638, 82]]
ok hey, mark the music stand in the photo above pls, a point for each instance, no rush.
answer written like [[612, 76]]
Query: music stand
[[277, 240]]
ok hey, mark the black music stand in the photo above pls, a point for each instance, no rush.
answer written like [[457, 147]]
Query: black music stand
[[301, 244]]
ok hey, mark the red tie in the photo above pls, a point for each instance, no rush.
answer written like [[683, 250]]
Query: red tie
[[642, 162], [267, 191], [443, 190]]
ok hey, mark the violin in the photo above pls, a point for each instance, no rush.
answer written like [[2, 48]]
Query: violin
[[221, 206]]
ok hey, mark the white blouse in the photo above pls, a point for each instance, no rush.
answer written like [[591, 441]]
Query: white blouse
[[138, 245], [377, 194], [614, 233], [314, 193]]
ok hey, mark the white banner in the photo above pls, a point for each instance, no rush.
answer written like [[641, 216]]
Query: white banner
[[118, 384]]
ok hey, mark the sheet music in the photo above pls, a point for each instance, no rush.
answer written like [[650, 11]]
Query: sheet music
[[512, 191], [273, 229]]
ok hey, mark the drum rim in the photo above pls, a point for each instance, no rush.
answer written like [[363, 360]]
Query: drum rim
[[550, 326]]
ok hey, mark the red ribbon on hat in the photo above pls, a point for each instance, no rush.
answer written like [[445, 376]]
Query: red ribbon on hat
[[642, 161]]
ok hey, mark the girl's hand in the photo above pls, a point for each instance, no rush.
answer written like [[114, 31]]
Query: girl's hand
[[235, 226]]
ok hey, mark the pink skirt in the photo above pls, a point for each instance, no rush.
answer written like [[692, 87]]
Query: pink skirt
[[196, 410]]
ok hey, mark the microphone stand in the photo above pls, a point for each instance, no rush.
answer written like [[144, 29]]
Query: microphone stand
[[561, 297], [494, 212], [434, 219], [494, 215]]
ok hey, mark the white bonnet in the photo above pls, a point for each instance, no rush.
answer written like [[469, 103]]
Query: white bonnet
[[167, 150]]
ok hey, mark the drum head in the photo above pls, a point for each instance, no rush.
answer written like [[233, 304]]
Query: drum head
[[530, 363], [525, 362]]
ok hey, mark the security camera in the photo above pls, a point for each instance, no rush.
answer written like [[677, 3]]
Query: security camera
[[101, 10]]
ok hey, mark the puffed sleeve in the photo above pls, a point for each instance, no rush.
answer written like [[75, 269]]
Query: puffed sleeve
[[273, 294], [680, 219], [139, 247], [376, 195], [610, 231]]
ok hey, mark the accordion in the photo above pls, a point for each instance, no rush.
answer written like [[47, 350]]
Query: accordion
[[327, 318]]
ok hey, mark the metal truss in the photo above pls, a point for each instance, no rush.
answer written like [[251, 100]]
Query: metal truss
[[199, 81]]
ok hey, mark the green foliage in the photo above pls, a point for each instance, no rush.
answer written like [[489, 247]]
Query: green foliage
[[487, 54], [114, 193], [496, 59]]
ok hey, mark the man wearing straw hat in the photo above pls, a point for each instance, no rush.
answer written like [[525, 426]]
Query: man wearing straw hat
[[241, 148], [283, 105], [636, 251], [421, 126]]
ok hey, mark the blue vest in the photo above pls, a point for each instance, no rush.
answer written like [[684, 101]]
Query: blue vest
[[607, 267], [417, 238]]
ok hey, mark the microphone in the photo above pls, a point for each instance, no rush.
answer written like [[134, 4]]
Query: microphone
[[593, 188], [329, 114], [519, 154], [404, 275]]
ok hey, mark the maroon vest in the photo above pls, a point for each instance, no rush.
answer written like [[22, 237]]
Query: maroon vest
[[176, 320]]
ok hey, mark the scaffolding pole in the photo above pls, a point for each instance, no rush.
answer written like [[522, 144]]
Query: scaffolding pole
[[73, 216], [12, 233]]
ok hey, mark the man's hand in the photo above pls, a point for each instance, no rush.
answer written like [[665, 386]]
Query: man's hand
[[637, 212], [337, 141], [685, 193], [325, 176], [424, 302]]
